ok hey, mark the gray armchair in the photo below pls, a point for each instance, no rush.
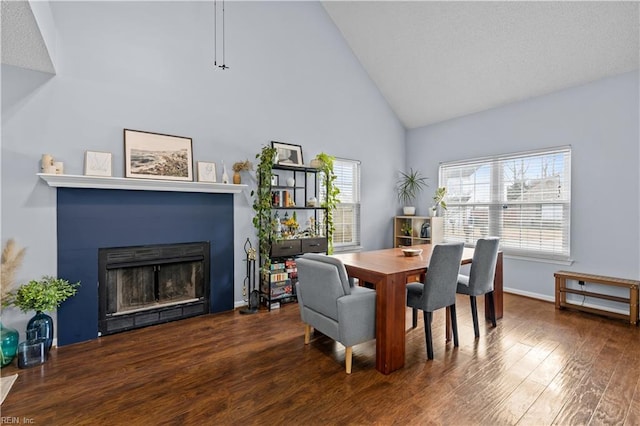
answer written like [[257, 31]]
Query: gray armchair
[[331, 304], [480, 278], [438, 290]]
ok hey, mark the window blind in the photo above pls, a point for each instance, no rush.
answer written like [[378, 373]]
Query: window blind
[[346, 218], [523, 198]]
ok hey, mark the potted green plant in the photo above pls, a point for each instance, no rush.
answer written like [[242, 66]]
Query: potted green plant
[[325, 164], [43, 295], [408, 187], [438, 201]]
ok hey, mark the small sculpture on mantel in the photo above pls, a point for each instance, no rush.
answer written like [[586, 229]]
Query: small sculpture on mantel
[[225, 175]]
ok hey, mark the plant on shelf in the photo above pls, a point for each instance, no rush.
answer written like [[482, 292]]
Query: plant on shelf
[[408, 187], [263, 221], [331, 200], [240, 166], [406, 228], [438, 200], [43, 295]]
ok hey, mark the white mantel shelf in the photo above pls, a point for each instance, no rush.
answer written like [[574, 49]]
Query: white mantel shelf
[[99, 182]]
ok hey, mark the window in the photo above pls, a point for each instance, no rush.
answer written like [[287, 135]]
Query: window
[[523, 198], [346, 218]]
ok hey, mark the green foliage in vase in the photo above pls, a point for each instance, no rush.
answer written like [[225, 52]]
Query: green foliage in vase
[[331, 202], [263, 222], [438, 198], [406, 228], [42, 295]]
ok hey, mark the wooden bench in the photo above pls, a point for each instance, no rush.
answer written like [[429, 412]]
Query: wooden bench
[[562, 290]]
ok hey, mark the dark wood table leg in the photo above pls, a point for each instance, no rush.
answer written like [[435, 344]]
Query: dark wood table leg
[[497, 291], [390, 323]]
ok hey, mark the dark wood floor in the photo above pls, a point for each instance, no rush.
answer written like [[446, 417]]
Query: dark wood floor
[[539, 366]]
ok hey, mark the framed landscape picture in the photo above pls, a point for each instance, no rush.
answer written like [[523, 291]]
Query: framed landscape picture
[[288, 154], [157, 156]]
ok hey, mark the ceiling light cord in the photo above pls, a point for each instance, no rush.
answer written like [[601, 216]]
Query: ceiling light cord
[[215, 37]]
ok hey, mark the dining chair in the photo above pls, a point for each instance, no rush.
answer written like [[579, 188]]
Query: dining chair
[[480, 278], [332, 305], [438, 290]]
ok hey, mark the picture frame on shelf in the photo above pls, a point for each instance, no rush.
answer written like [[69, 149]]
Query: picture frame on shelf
[[206, 171], [157, 156], [98, 163], [275, 180], [288, 154]]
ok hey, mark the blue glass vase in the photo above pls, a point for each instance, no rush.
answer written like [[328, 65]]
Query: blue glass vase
[[8, 343], [41, 327]]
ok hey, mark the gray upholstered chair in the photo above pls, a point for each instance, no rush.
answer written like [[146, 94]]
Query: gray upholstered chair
[[480, 278], [330, 303], [438, 290]]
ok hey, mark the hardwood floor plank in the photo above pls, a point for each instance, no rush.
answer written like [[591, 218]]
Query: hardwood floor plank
[[229, 369]]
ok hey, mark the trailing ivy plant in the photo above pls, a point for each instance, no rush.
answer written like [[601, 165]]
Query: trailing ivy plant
[[262, 221], [331, 200]]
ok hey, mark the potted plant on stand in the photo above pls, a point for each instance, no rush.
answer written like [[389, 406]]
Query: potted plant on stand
[[41, 296], [438, 201], [408, 187]]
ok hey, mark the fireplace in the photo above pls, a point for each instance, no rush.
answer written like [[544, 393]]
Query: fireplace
[[91, 219], [146, 285]]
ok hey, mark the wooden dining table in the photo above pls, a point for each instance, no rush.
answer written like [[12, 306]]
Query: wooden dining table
[[388, 271]]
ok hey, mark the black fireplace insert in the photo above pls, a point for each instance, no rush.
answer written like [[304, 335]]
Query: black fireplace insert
[[146, 285]]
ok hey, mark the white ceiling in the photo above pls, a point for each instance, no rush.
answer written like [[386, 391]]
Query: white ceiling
[[22, 42], [434, 61]]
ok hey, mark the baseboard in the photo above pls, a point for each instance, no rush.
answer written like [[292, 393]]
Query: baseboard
[[529, 294]]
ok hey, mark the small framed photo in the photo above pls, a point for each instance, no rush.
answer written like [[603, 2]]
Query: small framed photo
[[157, 156], [206, 171], [275, 180], [288, 154], [97, 163]]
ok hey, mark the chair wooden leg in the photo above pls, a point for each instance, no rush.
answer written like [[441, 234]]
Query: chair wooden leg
[[454, 324], [348, 356], [427, 334], [414, 313], [307, 334], [492, 308], [474, 315]]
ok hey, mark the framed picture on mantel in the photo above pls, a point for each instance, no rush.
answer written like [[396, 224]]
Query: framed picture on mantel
[[97, 163], [157, 156]]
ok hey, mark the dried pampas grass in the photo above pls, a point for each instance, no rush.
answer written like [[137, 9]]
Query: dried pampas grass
[[11, 261]]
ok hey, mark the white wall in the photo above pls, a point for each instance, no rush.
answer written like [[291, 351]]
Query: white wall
[[600, 121], [148, 66]]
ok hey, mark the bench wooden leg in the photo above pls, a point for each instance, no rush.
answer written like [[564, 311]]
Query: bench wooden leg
[[633, 305]]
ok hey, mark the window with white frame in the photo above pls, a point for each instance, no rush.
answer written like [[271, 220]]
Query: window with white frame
[[346, 217], [523, 198]]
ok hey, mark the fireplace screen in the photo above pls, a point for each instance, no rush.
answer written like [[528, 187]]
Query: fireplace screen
[[146, 285], [142, 287]]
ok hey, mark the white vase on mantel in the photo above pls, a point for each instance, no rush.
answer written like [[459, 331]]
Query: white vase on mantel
[[433, 211], [409, 210]]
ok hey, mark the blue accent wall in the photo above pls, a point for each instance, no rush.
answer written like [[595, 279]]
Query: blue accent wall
[[89, 219]]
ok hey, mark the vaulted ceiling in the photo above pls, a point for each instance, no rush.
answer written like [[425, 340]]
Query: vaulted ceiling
[[437, 60]]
